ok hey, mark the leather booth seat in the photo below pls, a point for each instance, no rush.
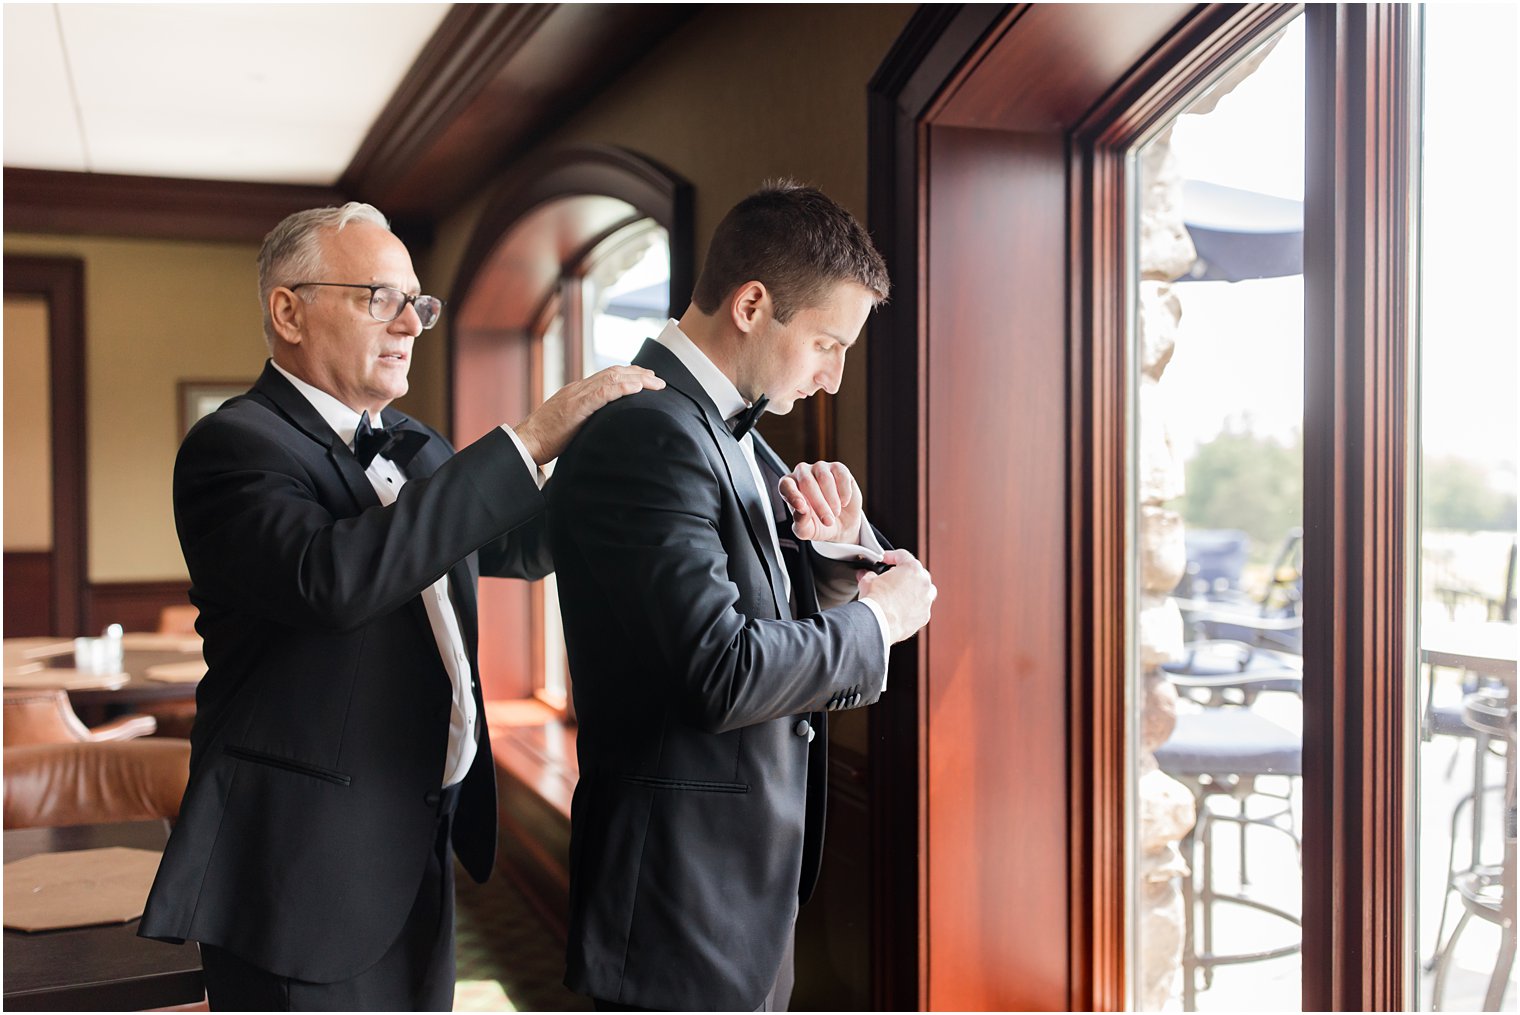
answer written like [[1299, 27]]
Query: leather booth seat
[[44, 716], [48, 785]]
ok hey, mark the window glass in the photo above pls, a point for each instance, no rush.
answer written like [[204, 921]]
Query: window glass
[[1217, 442], [1464, 843], [627, 294]]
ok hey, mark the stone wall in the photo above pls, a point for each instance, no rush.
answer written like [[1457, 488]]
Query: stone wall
[[1166, 806]]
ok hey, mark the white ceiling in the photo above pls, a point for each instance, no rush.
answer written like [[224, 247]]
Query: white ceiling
[[271, 93]]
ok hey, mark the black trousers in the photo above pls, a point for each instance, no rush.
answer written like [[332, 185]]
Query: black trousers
[[778, 999], [415, 974]]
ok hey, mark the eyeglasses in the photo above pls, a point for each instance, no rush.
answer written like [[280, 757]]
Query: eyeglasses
[[386, 304]]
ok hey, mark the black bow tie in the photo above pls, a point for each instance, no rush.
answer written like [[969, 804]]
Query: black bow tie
[[399, 445], [745, 421]]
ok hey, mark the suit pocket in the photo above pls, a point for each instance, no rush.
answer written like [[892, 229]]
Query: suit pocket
[[288, 764], [687, 785]]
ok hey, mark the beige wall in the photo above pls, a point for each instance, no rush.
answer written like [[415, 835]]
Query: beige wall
[[742, 93], [155, 312], [28, 426]]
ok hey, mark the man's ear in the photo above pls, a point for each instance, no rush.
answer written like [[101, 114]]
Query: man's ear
[[287, 312], [750, 306]]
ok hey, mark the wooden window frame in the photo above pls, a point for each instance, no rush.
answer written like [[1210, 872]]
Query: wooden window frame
[[1358, 493]]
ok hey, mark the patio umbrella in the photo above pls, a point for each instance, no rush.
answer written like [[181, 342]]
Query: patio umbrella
[[1241, 234], [652, 301]]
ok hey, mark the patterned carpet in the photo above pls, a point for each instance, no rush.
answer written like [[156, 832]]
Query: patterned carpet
[[507, 959]]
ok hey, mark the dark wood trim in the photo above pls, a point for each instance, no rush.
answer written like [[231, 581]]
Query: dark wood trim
[[494, 81], [573, 313], [152, 207], [466, 51], [1360, 204], [1179, 69], [583, 258], [60, 281], [1100, 371], [28, 593], [602, 170], [819, 438], [1097, 611], [135, 605], [924, 59]]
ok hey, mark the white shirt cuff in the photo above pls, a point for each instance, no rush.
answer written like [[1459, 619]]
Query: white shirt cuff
[[522, 449], [851, 551], [886, 646]]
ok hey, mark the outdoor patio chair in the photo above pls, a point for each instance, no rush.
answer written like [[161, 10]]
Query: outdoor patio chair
[[1487, 891], [1269, 619], [1215, 560], [1222, 752]]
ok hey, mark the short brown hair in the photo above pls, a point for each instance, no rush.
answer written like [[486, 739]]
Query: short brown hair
[[797, 241]]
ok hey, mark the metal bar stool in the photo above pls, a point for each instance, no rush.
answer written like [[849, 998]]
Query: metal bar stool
[[1222, 752], [1486, 891]]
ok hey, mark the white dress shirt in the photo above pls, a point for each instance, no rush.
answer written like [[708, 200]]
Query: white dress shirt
[[729, 402], [387, 479]]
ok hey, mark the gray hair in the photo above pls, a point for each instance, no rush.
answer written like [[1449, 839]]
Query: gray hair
[[292, 252]]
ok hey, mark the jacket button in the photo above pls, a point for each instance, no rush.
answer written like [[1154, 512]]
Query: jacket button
[[432, 797], [803, 729]]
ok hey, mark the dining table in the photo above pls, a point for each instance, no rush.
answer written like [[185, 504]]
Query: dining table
[[155, 668], [1488, 651], [100, 968]]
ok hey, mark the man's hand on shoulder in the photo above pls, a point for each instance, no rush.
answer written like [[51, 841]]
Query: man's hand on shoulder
[[825, 502], [548, 429], [905, 594]]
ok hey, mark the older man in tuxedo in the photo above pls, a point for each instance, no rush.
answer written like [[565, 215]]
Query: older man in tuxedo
[[715, 610], [339, 752]]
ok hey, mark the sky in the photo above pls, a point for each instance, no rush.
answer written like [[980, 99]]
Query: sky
[[1240, 351]]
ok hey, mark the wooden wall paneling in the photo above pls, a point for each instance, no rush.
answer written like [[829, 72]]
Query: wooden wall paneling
[[492, 371], [536, 774], [833, 965], [60, 281], [135, 605], [534, 852], [995, 449], [1360, 198], [28, 593]]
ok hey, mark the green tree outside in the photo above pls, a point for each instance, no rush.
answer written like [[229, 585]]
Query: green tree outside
[[1241, 480]]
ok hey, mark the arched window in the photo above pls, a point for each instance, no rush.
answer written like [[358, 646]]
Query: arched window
[[575, 260], [605, 306]]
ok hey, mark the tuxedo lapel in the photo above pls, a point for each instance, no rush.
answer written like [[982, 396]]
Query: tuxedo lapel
[[668, 366], [428, 460], [274, 388], [794, 551]]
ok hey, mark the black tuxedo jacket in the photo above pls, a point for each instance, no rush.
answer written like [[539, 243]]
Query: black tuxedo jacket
[[698, 820], [318, 748]]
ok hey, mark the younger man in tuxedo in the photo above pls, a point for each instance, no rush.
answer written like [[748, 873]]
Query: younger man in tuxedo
[[714, 612]]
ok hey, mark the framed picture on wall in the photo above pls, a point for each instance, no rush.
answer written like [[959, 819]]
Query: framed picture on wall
[[202, 398]]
